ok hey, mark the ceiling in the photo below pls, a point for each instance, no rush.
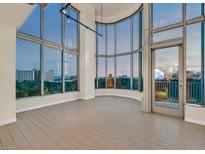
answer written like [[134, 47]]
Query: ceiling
[[114, 11]]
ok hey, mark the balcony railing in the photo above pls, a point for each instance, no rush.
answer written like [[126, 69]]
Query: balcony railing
[[169, 91]]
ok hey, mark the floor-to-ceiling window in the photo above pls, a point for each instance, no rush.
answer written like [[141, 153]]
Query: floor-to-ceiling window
[[47, 52], [185, 23], [119, 53]]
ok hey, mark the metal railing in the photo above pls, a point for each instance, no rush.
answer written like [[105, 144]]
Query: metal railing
[[169, 91]]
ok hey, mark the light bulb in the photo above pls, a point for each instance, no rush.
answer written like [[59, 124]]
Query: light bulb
[[64, 12]]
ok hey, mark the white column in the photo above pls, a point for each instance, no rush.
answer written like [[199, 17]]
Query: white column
[[87, 51], [147, 94]]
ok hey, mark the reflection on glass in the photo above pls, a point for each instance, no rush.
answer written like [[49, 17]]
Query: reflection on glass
[[136, 32], [123, 72], [142, 28], [193, 64], [101, 72], [71, 29], [169, 34], [110, 40], [123, 36], [27, 69], [193, 10], [52, 23], [166, 14], [32, 23], [70, 73], [52, 71], [167, 77], [136, 71], [110, 72], [101, 39]]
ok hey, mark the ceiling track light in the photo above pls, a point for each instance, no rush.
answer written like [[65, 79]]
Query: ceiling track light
[[63, 12]]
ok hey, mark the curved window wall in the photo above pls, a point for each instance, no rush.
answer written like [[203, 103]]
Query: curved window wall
[[47, 53], [119, 54]]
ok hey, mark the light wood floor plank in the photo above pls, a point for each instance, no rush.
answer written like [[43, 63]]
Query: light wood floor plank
[[100, 123], [6, 138], [19, 139]]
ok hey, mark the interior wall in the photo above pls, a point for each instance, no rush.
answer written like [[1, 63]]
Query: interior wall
[[9, 21], [7, 74], [25, 104], [195, 114]]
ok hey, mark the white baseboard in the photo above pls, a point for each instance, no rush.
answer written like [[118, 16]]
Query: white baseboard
[[4, 122], [88, 98], [43, 105], [200, 122], [139, 99]]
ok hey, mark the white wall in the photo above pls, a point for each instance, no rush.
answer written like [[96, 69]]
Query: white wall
[[195, 114], [11, 16], [25, 104], [119, 92], [7, 73]]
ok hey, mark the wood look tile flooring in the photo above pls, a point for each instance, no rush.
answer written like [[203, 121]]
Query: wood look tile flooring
[[100, 123]]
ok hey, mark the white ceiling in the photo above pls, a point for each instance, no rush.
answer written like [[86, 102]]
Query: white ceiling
[[114, 11], [14, 14]]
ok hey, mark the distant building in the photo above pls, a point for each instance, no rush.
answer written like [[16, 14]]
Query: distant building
[[49, 75], [29, 75], [110, 81], [22, 75]]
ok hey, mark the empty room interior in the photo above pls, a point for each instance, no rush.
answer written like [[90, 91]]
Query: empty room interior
[[102, 76]]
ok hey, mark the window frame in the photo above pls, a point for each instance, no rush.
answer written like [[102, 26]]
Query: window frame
[[59, 46]]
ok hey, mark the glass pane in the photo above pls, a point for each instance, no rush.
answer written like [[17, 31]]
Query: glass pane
[[71, 30], [135, 71], [70, 74], [110, 72], [193, 10], [136, 32], [123, 72], [193, 63], [27, 69], [166, 14], [167, 77], [32, 24], [169, 34], [123, 36], [101, 39], [52, 71], [142, 29], [52, 23], [110, 40], [101, 72]]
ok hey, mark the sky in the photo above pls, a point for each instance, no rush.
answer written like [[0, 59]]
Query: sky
[[28, 53]]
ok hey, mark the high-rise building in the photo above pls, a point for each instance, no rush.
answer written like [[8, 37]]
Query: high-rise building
[[48, 76], [22, 75]]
